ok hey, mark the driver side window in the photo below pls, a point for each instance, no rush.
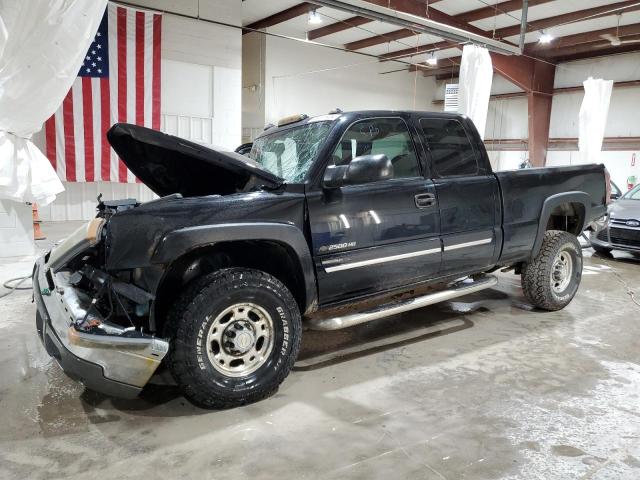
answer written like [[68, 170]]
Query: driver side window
[[373, 136]]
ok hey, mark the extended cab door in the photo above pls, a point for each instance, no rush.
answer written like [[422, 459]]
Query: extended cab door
[[372, 237], [468, 195]]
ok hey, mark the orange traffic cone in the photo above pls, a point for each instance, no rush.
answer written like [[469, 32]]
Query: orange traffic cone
[[37, 231]]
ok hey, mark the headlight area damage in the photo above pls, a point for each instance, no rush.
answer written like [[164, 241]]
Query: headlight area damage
[[92, 322]]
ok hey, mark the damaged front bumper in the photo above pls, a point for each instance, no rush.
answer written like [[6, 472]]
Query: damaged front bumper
[[116, 361]]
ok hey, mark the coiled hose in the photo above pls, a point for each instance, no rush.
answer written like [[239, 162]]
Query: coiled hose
[[12, 288]]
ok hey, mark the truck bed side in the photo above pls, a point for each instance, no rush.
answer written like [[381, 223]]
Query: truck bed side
[[525, 213]]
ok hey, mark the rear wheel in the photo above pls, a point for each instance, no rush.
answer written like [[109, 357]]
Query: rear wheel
[[236, 334], [552, 278]]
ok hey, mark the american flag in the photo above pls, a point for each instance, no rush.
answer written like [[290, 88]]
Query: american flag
[[119, 81]]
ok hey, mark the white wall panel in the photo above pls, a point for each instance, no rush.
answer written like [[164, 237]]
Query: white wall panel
[[16, 229], [619, 163], [617, 67], [187, 88], [227, 114], [507, 118], [304, 78], [621, 122], [79, 200]]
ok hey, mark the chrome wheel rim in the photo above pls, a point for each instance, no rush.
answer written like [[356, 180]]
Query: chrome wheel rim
[[561, 272], [240, 339]]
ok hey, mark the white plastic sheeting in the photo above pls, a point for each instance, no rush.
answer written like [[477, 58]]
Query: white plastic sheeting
[[593, 118], [474, 89], [42, 45]]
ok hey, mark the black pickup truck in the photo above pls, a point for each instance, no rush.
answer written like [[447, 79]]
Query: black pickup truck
[[329, 222]]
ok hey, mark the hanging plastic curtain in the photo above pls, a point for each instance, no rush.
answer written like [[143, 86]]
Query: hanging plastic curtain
[[42, 45], [476, 75], [593, 118]]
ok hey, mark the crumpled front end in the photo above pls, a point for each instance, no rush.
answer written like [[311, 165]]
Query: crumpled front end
[[90, 321]]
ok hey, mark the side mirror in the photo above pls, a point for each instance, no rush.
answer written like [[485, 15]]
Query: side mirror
[[363, 169], [615, 195]]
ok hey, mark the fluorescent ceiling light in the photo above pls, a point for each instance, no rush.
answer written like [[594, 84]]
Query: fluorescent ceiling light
[[432, 60], [314, 18], [545, 37]]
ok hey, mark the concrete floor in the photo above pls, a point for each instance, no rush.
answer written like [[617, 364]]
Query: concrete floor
[[479, 388]]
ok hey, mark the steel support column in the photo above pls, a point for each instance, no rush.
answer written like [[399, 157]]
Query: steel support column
[[536, 78]]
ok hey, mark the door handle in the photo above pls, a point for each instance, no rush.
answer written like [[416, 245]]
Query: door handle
[[425, 200]]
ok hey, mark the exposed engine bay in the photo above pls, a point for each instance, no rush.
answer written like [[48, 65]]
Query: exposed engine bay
[[116, 306]]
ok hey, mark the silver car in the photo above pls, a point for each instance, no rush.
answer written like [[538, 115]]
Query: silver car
[[620, 228]]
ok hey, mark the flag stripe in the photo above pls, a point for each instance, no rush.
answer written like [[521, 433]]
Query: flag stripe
[[50, 139], [87, 110], [148, 68], [105, 113], [78, 128], [122, 80], [113, 86], [96, 128], [139, 68], [69, 143], [132, 93], [157, 42], [60, 144]]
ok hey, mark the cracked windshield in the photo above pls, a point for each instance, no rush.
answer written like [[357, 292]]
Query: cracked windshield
[[290, 153]]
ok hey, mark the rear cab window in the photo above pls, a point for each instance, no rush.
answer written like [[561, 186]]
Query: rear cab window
[[452, 154]]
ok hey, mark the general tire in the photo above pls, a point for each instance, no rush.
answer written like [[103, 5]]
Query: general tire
[[192, 318], [540, 287]]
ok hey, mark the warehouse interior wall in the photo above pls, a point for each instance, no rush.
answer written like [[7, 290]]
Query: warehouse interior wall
[[303, 78], [200, 90], [507, 118]]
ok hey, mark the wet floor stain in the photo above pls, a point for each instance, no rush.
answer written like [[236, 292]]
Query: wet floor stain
[[567, 451]]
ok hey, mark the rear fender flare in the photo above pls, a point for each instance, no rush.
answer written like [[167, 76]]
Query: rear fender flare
[[179, 242], [552, 202]]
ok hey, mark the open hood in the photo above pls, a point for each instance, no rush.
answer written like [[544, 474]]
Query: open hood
[[168, 164]]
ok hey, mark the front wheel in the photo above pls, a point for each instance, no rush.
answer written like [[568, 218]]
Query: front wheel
[[551, 279], [235, 336]]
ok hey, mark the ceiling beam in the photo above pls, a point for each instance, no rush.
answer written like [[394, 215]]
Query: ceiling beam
[[420, 9], [341, 25], [629, 5], [585, 37], [500, 8], [352, 22], [378, 39], [407, 52], [414, 8], [595, 48], [466, 17], [447, 76], [282, 16], [599, 52]]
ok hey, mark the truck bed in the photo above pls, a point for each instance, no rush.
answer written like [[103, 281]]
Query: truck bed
[[524, 192]]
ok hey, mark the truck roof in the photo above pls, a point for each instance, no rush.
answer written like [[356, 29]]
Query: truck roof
[[302, 119]]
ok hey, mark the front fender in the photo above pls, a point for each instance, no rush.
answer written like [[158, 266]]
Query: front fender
[[179, 242]]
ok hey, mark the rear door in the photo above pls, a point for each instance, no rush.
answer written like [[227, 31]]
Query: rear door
[[468, 196], [373, 237]]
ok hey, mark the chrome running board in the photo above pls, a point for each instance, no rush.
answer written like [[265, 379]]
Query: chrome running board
[[457, 290]]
